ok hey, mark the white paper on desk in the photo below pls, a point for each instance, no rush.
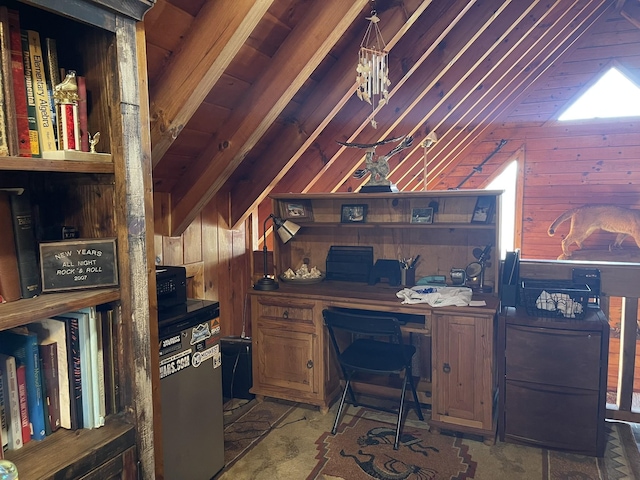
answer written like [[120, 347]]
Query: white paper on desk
[[477, 303], [436, 296]]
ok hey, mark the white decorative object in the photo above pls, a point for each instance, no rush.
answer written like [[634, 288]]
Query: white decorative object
[[373, 68]]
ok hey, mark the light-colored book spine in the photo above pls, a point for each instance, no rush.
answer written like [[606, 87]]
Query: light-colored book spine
[[97, 365], [8, 367], [41, 93]]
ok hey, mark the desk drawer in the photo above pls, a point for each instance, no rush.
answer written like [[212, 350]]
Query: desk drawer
[[568, 358], [286, 311]]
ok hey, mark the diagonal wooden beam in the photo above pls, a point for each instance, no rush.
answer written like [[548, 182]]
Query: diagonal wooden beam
[[505, 91], [217, 34], [425, 78], [414, 49], [294, 62], [328, 97]]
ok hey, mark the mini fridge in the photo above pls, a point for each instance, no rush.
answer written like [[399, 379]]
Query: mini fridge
[[191, 390]]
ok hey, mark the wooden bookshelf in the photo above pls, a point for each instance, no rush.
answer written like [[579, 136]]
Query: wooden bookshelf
[[99, 195]]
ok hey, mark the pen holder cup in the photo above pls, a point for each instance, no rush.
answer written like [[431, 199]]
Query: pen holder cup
[[407, 277]]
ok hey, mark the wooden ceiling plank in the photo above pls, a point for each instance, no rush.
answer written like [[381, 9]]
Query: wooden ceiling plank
[[458, 41], [218, 33], [495, 43], [507, 95], [316, 112], [305, 174], [299, 55], [473, 92], [451, 141]]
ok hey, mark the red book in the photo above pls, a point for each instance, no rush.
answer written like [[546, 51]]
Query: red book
[[19, 89], [21, 373], [83, 119]]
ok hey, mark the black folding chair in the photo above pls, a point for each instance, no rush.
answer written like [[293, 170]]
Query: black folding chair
[[377, 348]]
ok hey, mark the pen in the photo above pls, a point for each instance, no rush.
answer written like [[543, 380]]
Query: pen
[[415, 260]]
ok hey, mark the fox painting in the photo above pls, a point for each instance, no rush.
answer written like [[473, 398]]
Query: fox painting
[[587, 219]]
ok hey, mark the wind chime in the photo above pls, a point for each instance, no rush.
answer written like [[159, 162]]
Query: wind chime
[[373, 67]]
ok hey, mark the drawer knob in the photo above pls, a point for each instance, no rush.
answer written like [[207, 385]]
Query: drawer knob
[[310, 364], [446, 368], [285, 314]]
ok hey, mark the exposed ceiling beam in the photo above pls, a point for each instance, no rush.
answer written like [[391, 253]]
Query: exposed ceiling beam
[[293, 63], [423, 39], [511, 86], [328, 97], [447, 44], [218, 33]]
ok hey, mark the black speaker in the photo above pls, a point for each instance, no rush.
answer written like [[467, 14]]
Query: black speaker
[[237, 377]]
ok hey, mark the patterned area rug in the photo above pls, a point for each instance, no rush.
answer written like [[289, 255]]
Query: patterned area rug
[[281, 440]]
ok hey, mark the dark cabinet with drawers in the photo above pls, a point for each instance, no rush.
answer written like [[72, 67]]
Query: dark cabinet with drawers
[[553, 381]]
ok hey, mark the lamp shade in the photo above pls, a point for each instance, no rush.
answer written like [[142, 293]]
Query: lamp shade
[[287, 230]]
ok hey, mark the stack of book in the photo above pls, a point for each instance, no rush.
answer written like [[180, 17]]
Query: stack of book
[[31, 78], [56, 373]]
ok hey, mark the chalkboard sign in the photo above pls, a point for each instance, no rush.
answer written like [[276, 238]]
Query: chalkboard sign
[[76, 264]]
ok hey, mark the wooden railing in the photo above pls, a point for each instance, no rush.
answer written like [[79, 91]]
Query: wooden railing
[[617, 281]]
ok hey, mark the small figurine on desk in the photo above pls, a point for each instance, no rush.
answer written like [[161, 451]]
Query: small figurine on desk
[[93, 141]]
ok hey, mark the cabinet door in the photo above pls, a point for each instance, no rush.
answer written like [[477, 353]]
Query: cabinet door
[[463, 371], [286, 359]]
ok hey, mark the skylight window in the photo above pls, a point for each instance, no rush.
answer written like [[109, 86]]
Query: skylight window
[[614, 95]]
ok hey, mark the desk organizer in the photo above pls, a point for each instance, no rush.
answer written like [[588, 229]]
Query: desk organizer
[[349, 263], [563, 298]]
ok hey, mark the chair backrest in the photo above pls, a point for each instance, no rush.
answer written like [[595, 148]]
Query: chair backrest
[[374, 325]]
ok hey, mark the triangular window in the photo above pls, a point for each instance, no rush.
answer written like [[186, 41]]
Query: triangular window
[[613, 95]]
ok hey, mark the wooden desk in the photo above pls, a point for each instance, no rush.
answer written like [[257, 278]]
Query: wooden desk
[[293, 360]]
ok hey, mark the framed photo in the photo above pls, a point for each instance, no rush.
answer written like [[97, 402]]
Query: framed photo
[[422, 215], [483, 211], [353, 214], [297, 210]]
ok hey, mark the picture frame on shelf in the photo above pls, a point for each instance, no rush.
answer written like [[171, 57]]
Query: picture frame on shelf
[[298, 210], [351, 213], [483, 211], [422, 215]]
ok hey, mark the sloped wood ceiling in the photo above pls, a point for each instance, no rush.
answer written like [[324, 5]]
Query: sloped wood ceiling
[[250, 97]]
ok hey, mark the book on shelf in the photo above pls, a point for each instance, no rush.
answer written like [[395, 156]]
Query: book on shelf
[[72, 339], [32, 117], [87, 332], [10, 126], [25, 423], [45, 404], [109, 359], [25, 242], [23, 345], [52, 330], [49, 357], [8, 369], [41, 93], [19, 90], [4, 408], [50, 55], [97, 366], [83, 118], [4, 119], [9, 274]]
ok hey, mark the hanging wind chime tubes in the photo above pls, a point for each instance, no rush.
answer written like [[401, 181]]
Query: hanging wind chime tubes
[[373, 68]]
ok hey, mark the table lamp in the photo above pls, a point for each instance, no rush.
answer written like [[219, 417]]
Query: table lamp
[[286, 231]]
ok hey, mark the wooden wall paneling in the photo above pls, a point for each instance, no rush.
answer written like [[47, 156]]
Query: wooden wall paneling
[[210, 249], [192, 242], [172, 251]]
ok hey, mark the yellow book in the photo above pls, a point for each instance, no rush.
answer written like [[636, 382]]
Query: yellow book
[[41, 93]]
